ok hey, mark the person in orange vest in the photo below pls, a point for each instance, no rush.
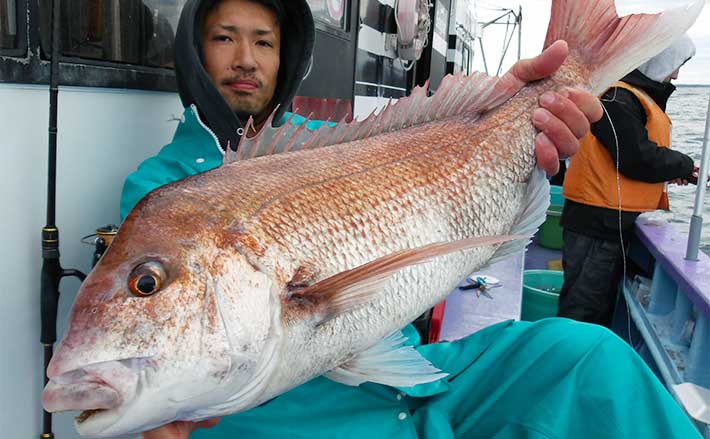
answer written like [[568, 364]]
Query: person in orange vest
[[620, 171]]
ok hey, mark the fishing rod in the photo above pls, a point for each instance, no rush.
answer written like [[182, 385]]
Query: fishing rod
[[52, 271]]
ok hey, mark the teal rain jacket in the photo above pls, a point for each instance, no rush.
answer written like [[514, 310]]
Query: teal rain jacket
[[551, 379]]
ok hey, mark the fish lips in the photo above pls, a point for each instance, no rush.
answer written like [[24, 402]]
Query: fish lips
[[79, 396], [102, 391], [101, 405]]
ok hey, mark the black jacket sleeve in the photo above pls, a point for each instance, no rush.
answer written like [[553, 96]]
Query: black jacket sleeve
[[639, 158]]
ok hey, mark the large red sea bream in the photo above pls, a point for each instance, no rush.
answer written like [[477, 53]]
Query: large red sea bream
[[308, 253]]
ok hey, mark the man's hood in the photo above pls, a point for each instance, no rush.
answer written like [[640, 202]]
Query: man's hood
[[195, 85], [665, 63]]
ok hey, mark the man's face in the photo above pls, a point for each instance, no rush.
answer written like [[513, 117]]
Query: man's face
[[673, 75], [241, 41]]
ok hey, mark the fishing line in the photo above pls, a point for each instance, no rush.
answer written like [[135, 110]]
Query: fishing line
[[621, 233]]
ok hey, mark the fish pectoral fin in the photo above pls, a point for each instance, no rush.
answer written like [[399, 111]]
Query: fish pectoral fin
[[389, 362], [351, 289], [304, 276]]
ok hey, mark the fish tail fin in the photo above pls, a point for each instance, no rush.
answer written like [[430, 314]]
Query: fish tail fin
[[611, 46]]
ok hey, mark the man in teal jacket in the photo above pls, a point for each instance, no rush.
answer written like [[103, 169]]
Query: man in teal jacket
[[552, 379]]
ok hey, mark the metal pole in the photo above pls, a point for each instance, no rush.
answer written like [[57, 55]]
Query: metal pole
[[483, 54], [520, 30], [696, 221]]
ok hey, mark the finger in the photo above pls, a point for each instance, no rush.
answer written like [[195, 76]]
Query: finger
[[546, 153], [586, 103], [208, 423], [165, 432], [541, 66], [557, 132], [567, 111], [528, 70]]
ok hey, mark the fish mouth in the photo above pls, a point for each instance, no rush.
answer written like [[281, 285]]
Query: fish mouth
[[100, 392], [95, 422], [99, 403], [85, 395]]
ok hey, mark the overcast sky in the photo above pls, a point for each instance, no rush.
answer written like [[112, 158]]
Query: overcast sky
[[536, 14]]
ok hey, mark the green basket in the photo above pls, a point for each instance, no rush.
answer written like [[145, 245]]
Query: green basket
[[550, 233], [541, 290]]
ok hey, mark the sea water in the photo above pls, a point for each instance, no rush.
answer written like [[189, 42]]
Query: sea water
[[687, 109]]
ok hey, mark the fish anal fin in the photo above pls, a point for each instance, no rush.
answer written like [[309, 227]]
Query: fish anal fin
[[389, 362], [351, 289]]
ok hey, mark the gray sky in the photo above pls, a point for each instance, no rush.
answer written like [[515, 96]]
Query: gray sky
[[536, 14]]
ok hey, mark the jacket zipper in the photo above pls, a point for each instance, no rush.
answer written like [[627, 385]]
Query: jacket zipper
[[193, 107]]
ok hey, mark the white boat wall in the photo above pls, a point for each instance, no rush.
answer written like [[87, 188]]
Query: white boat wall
[[103, 135]]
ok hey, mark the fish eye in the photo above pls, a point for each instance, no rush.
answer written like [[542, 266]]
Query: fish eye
[[146, 279]]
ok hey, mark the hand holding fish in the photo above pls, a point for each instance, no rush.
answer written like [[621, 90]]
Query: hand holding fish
[[563, 117]]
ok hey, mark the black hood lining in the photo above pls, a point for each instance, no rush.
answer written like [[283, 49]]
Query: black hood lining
[[660, 92]]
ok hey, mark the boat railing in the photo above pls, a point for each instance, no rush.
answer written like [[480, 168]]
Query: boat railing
[[671, 312]]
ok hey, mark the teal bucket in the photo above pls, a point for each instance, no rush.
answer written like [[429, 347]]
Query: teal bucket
[[541, 291], [550, 233], [556, 198]]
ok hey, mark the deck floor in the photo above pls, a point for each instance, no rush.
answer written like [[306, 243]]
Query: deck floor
[[467, 311]]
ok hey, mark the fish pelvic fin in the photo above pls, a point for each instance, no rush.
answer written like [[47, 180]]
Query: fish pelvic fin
[[610, 46], [456, 95], [390, 362], [351, 289]]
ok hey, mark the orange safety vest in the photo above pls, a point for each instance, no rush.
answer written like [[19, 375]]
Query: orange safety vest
[[592, 176]]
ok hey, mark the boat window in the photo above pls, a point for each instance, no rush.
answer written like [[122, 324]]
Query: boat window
[[114, 43], [138, 32], [332, 13], [8, 24]]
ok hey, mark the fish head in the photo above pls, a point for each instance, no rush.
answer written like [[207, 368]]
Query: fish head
[[164, 329]]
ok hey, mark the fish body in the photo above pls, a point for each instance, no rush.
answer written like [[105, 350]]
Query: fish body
[[379, 196], [228, 288]]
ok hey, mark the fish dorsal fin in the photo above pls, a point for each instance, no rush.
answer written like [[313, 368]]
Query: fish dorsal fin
[[389, 362], [353, 288], [457, 95]]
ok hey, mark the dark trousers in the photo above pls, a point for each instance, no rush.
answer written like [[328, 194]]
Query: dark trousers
[[592, 271]]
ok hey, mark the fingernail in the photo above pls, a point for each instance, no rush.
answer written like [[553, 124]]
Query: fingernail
[[547, 99], [540, 116], [544, 140], [564, 92]]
